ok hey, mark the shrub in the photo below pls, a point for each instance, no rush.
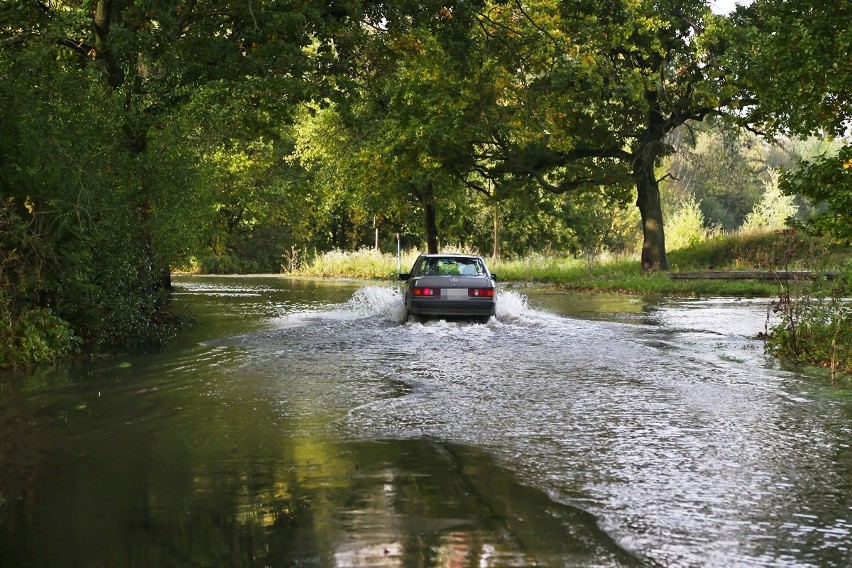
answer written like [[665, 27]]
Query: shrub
[[816, 325], [773, 210], [36, 337], [828, 183], [686, 228]]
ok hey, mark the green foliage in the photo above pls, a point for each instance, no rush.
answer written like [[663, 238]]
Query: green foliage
[[816, 325], [641, 69], [28, 335], [685, 227], [785, 250], [101, 219], [364, 263], [108, 142], [721, 166], [36, 337], [828, 183], [601, 222], [773, 212], [396, 148], [166, 133], [617, 275], [780, 250], [793, 56]]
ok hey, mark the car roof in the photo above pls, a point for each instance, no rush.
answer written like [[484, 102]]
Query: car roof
[[450, 255]]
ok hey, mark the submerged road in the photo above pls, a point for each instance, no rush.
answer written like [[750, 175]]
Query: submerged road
[[303, 423]]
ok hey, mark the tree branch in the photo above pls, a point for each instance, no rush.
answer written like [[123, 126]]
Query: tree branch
[[78, 47], [15, 40]]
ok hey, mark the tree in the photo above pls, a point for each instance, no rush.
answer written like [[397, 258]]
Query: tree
[[404, 134], [801, 72], [108, 137], [774, 211], [722, 166], [828, 182], [793, 57], [588, 92]]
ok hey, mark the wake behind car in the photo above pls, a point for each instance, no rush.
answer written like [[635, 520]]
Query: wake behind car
[[449, 285]]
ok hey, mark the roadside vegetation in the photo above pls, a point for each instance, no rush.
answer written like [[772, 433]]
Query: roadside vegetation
[[787, 250], [816, 325]]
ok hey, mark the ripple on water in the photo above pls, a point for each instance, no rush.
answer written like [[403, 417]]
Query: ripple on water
[[671, 428]]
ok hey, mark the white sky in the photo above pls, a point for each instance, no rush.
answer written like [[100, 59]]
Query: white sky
[[726, 6]]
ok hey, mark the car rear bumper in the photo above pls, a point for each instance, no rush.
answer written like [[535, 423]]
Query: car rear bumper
[[434, 307]]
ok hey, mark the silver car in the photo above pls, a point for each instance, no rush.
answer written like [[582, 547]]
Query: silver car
[[448, 285]]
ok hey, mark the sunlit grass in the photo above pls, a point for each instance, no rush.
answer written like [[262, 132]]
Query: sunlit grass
[[536, 268], [772, 250], [608, 273], [365, 263]]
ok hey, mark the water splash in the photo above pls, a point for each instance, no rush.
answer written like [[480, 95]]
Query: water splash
[[512, 306], [386, 303], [375, 301]]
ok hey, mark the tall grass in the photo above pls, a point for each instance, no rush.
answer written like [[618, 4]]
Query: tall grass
[[365, 263], [607, 273], [816, 325], [536, 268], [776, 250], [772, 250]]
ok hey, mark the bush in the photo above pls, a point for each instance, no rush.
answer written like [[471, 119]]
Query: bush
[[773, 210], [828, 183], [777, 250], [816, 325], [36, 337], [686, 227]]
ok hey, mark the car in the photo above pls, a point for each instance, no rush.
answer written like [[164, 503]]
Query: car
[[449, 285]]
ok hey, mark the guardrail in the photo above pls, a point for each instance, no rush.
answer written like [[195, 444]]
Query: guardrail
[[753, 275]]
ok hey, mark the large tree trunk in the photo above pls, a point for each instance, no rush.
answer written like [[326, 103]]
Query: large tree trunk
[[496, 251], [426, 197], [653, 235], [648, 189], [155, 279], [431, 228]]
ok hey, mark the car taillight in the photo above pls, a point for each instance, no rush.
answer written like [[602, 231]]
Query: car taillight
[[427, 291], [481, 292]]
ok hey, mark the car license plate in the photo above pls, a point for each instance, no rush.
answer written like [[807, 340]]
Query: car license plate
[[456, 293]]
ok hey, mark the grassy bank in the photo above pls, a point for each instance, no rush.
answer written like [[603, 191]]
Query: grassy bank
[[785, 251], [623, 276]]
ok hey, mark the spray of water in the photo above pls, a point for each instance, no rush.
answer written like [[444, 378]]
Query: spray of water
[[386, 303], [512, 306], [376, 301]]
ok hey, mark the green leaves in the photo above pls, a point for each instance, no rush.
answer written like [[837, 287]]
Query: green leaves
[[36, 337], [828, 182], [795, 56]]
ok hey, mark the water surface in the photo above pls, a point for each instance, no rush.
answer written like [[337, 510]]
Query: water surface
[[302, 423]]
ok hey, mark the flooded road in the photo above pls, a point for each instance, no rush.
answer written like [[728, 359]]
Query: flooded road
[[303, 424]]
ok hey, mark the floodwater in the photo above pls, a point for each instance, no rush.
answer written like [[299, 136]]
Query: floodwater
[[303, 424]]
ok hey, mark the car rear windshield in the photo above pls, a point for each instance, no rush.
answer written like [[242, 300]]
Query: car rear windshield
[[451, 267]]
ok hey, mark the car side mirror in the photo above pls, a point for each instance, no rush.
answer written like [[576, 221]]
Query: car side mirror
[[404, 276], [494, 277]]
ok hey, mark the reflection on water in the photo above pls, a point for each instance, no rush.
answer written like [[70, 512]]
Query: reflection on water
[[303, 423]]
